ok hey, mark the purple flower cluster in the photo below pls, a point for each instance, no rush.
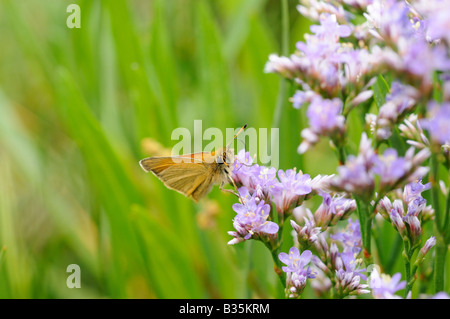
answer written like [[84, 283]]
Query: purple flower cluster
[[297, 274], [307, 233], [435, 19], [325, 119], [399, 102], [333, 209], [251, 219], [350, 238], [348, 273], [387, 57], [408, 213], [322, 62], [307, 226], [409, 40], [291, 187], [342, 268], [357, 176], [325, 66], [259, 187], [437, 123], [403, 35]]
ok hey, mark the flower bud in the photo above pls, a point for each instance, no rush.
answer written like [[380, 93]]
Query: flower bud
[[428, 245], [397, 220]]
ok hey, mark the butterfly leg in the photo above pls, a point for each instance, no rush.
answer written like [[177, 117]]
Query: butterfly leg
[[230, 179], [221, 187]]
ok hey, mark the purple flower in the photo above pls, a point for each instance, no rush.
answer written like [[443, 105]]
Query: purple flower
[[385, 287], [414, 190], [294, 261], [243, 169], [292, 185], [431, 59], [435, 13], [355, 64], [325, 116], [351, 264], [253, 177], [296, 274], [416, 206], [389, 20], [333, 209], [330, 29], [314, 10], [303, 97], [344, 208], [412, 130], [350, 238], [325, 212], [356, 176], [306, 233], [437, 122], [396, 216], [264, 179], [401, 100], [243, 158], [251, 220], [349, 275], [390, 167], [407, 222]]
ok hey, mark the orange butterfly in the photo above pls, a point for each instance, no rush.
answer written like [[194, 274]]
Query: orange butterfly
[[193, 175]]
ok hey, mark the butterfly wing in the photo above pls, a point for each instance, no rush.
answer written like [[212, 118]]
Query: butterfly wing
[[191, 178]]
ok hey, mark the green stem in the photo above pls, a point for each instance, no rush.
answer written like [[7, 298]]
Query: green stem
[[342, 156], [284, 51], [441, 246], [439, 266], [445, 228], [410, 275], [277, 264], [365, 221], [435, 190], [281, 99]]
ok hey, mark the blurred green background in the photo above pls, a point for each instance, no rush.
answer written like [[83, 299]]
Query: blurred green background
[[80, 108]]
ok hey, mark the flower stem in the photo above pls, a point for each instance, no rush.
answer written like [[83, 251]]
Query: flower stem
[[446, 228], [441, 245], [284, 51], [409, 274], [365, 221], [439, 265], [434, 172], [274, 251], [342, 157]]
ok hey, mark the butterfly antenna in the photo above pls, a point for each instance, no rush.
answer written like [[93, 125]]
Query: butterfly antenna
[[240, 131]]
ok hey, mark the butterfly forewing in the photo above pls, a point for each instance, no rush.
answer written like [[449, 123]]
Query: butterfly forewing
[[187, 177]]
